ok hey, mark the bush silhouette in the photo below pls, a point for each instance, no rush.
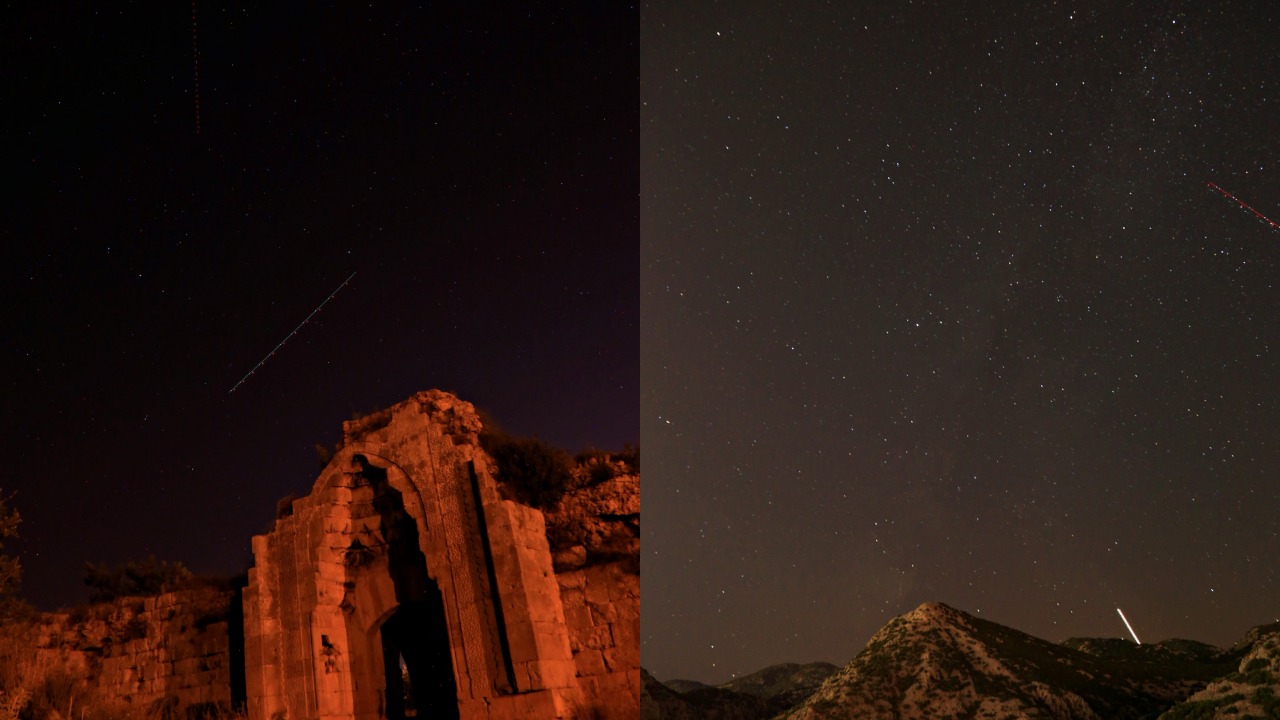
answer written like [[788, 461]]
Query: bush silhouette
[[150, 577], [535, 473]]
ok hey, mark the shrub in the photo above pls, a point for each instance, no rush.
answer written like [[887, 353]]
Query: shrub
[[534, 473], [602, 471], [150, 577], [591, 455], [56, 691], [12, 703], [165, 708], [630, 457], [1266, 698], [10, 568]]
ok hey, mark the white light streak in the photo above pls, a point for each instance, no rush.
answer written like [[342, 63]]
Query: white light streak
[[1126, 624], [286, 337]]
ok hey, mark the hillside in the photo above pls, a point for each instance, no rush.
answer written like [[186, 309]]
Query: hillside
[[1252, 691]]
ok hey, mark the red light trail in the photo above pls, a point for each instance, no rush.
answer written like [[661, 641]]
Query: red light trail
[[1246, 206]]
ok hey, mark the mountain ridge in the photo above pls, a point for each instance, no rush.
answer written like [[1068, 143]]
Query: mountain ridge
[[939, 662], [936, 661]]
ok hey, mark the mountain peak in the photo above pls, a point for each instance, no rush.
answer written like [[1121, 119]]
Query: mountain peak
[[939, 662], [936, 661], [934, 614]]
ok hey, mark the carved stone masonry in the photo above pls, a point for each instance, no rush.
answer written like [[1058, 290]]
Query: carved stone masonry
[[405, 585]]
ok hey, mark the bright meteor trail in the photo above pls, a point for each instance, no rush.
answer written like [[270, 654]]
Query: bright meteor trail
[[286, 337], [1126, 624]]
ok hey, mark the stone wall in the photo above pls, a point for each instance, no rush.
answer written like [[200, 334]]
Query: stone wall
[[602, 609], [596, 530], [170, 652], [185, 653]]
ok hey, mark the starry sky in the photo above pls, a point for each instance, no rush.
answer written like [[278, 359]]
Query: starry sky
[[477, 169], [938, 305]]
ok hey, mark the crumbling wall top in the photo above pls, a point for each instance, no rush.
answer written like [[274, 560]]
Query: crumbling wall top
[[452, 415]]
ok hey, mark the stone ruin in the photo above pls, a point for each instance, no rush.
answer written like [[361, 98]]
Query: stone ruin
[[403, 585], [405, 557]]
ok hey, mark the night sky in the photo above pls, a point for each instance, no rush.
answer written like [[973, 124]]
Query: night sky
[[477, 170], [937, 305]]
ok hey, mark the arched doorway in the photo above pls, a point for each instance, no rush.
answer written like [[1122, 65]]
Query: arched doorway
[[416, 657], [416, 660]]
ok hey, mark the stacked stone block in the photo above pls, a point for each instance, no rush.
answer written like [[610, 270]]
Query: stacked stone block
[[602, 610], [170, 651]]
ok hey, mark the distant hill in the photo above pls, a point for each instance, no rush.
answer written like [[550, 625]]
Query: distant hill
[[659, 702], [760, 695], [787, 683], [938, 662], [684, 686]]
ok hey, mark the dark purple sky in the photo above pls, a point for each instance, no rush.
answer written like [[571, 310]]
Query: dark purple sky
[[478, 170], [938, 306]]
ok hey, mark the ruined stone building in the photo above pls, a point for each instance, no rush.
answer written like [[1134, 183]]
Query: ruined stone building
[[405, 585]]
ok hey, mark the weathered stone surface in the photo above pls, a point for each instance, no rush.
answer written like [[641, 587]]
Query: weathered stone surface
[[171, 650], [597, 523]]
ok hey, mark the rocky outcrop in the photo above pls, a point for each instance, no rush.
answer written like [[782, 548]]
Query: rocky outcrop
[[597, 522]]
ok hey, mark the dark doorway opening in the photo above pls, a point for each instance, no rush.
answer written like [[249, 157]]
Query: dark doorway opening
[[416, 655]]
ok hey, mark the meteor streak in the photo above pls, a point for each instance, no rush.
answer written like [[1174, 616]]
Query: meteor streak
[[1246, 206], [286, 337], [1126, 624]]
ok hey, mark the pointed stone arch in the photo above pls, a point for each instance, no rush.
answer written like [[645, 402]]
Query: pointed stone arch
[[405, 526]]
